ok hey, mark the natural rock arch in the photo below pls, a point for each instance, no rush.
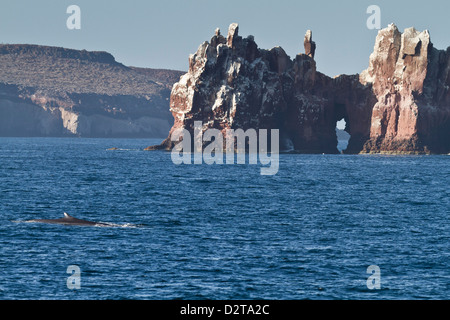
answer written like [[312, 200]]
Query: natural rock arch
[[232, 83]]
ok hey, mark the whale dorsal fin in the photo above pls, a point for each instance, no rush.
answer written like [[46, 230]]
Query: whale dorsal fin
[[66, 215]]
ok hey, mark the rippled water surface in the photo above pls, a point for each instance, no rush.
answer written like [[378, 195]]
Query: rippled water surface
[[220, 231]]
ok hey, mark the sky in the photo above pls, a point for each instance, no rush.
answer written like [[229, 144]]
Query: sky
[[162, 34]]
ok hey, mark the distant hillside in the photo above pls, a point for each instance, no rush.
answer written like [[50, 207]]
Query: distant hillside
[[51, 91], [342, 135]]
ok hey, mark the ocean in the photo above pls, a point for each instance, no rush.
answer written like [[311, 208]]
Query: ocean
[[220, 231]]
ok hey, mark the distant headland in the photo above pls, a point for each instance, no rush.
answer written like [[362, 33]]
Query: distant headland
[[58, 92]]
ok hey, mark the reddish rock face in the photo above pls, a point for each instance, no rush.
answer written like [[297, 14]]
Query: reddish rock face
[[310, 46], [400, 103], [410, 80]]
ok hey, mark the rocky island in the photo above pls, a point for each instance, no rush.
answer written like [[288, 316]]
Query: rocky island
[[400, 104], [51, 91]]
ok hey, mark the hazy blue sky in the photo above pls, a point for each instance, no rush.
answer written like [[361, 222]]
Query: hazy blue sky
[[162, 34]]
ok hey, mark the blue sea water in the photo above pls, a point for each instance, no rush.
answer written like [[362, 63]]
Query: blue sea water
[[220, 231]]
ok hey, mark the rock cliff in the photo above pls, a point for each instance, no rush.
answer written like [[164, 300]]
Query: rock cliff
[[50, 91], [411, 80], [399, 104]]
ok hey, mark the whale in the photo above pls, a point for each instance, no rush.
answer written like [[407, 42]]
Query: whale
[[71, 221]]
